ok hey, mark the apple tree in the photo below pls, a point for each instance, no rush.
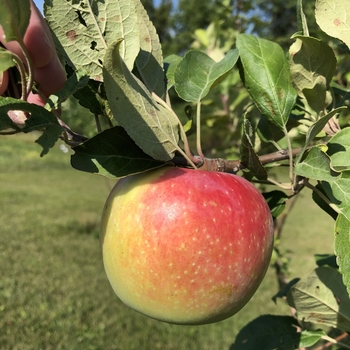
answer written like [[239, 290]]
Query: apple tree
[[290, 112]]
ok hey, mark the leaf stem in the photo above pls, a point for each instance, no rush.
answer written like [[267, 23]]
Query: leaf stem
[[98, 124], [198, 130], [276, 145], [290, 152], [187, 154], [279, 184], [193, 161], [321, 195]]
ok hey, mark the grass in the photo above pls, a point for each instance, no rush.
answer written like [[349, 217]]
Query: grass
[[53, 290]]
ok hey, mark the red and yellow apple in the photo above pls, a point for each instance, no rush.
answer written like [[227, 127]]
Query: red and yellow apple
[[186, 246]]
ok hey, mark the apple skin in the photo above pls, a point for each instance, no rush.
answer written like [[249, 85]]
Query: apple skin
[[186, 246]]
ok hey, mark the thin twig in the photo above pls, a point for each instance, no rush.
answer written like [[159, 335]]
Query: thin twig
[[10, 132], [233, 166], [332, 341], [98, 123]]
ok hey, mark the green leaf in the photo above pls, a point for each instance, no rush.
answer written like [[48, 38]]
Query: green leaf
[[276, 201], [248, 156], [311, 58], [6, 59], [333, 17], [318, 97], [265, 74], [197, 73], [316, 165], [339, 150], [342, 93], [310, 337], [84, 29], [321, 202], [312, 67], [150, 57], [5, 107], [40, 119], [113, 154], [171, 62], [329, 260], [318, 126], [49, 137], [315, 129], [282, 293], [342, 248], [150, 124], [14, 18], [321, 298], [89, 97], [339, 192], [268, 131], [74, 83], [268, 332], [189, 127]]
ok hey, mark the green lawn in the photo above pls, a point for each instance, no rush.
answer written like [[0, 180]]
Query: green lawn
[[53, 290]]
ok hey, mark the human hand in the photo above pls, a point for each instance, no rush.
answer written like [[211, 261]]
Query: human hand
[[48, 71]]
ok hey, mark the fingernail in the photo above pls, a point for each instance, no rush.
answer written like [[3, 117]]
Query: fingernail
[[18, 117]]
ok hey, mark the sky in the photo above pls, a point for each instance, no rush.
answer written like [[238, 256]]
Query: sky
[[39, 4]]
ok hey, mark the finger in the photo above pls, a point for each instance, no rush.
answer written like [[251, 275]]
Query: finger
[[37, 40], [4, 79], [36, 99], [50, 78], [48, 71]]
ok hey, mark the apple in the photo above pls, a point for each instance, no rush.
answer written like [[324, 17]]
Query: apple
[[186, 246]]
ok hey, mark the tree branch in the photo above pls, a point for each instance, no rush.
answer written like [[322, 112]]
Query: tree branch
[[233, 166], [332, 341]]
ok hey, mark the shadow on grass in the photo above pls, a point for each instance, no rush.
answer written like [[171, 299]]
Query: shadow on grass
[[86, 227]]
